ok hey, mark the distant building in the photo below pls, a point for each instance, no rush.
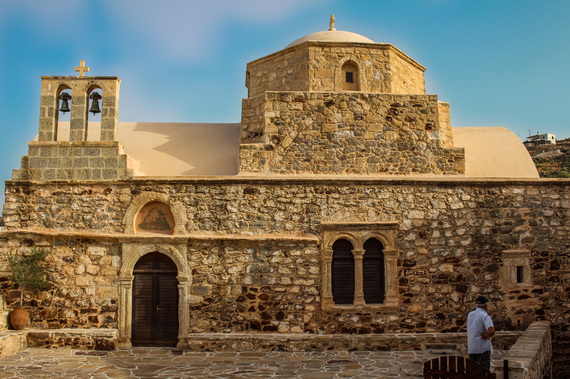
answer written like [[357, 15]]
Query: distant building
[[542, 138]]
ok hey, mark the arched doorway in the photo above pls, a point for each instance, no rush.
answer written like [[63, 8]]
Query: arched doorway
[[155, 301]]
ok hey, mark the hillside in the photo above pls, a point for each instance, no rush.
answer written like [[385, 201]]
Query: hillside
[[552, 161]]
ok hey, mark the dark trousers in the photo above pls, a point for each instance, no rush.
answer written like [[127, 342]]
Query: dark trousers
[[484, 359]]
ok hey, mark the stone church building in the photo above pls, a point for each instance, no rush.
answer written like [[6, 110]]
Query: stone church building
[[344, 202]]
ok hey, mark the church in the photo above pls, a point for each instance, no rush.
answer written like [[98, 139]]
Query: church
[[343, 203]]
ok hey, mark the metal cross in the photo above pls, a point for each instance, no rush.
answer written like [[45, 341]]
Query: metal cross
[[82, 69]]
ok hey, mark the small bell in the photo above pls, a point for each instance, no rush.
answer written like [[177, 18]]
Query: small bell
[[95, 97], [64, 97]]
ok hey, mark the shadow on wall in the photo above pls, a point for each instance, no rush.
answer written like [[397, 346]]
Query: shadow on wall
[[174, 149]]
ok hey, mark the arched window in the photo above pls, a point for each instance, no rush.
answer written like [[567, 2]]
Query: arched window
[[342, 272], [373, 272], [350, 77]]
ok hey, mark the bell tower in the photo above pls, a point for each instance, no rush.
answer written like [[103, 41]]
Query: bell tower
[[56, 156]]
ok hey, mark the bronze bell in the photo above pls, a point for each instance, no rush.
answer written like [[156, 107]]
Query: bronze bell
[[64, 97], [95, 97]]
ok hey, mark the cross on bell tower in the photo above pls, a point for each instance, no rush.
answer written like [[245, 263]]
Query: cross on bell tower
[[82, 68]]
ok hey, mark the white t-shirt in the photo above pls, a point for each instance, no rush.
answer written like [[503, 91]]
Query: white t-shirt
[[478, 321]]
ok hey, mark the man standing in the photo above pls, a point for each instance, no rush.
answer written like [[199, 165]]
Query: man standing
[[480, 329]]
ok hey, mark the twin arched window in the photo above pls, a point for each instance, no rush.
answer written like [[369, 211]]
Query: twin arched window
[[346, 281]]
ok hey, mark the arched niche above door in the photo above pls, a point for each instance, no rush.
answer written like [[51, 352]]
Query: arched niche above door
[[152, 212], [155, 217]]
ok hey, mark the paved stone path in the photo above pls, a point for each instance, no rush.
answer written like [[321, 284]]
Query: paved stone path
[[172, 363]]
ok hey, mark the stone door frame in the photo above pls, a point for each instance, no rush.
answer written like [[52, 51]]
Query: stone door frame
[[131, 253]]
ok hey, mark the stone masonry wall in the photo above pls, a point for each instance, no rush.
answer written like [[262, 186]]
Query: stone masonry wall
[[253, 120], [256, 244], [406, 76], [316, 66], [83, 275], [282, 71], [80, 160], [356, 133]]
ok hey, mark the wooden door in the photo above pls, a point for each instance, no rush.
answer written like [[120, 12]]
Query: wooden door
[[155, 302]]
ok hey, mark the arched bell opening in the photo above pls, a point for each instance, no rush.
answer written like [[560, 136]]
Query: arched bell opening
[[93, 113], [64, 100], [155, 300]]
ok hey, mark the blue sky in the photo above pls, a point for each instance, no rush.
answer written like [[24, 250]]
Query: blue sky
[[497, 62]]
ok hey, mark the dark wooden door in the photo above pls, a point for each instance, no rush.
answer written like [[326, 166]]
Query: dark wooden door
[[155, 302]]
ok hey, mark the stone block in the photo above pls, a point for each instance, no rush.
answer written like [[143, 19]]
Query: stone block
[[62, 151], [49, 174], [81, 174], [108, 174], [64, 174], [111, 162], [123, 161], [107, 292], [36, 162], [92, 151], [66, 162], [54, 162], [81, 162], [33, 151], [83, 281], [97, 162]]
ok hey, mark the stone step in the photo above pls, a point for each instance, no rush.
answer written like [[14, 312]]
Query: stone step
[[85, 339], [12, 341]]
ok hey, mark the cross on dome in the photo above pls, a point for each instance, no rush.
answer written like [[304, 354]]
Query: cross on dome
[[82, 69]]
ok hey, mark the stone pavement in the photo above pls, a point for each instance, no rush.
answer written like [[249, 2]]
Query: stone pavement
[[154, 362]]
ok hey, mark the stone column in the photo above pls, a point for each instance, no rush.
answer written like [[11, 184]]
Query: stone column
[[183, 310], [358, 277], [110, 108], [48, 110], [391, 276], [326, 267], [79, 103], [125, 310]]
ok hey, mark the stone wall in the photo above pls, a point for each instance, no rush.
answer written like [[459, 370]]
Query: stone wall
[[316, 66], [407, 76], [336, 342], [531, 356], [253, 119], [282, 71], [83, 275], [255, 245], [353, 133], [80, 160]]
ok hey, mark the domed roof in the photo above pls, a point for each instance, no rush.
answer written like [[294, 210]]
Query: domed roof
[[332, 35]]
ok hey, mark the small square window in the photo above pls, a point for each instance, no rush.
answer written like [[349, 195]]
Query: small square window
[[349, 77]]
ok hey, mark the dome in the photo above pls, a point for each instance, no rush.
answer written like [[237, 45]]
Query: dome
[[332, 35]]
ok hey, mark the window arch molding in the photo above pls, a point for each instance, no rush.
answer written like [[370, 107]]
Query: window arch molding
[[340, 77], [358, 234]]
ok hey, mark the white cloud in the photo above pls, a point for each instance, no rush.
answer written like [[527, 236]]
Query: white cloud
[[185, 30], [49, 14]]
